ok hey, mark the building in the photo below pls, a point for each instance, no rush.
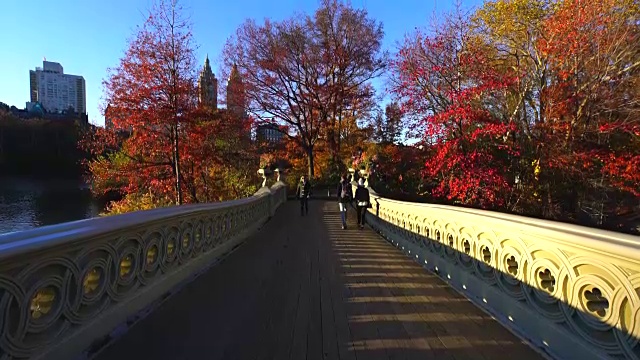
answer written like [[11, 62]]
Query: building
[[208, 87], [108, 119], [269, 133], [236, 99], [57, 91]]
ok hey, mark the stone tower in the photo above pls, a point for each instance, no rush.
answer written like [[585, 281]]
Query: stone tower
[[236, 101], [208, 87]]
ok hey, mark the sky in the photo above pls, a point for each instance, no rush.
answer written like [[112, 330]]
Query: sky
[[89, 36]]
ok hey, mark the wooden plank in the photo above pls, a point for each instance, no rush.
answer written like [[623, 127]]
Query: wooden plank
[[315, 331], [287, 284], [301, 326], [330, 342], [337, 293], [366, 340]]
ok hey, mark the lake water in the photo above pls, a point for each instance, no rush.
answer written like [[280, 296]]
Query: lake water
[[28, 203]]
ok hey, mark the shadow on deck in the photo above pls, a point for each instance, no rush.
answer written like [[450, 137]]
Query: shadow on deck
[[302, 288]]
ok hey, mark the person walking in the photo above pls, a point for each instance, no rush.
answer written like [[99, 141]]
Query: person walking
[[363, 202], [345, 194], [302, 193]]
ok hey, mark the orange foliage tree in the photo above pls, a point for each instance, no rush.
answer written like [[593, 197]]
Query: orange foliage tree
[[163, 149]]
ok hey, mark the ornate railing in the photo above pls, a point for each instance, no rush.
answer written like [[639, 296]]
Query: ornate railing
[[571, 291], [64, 286]]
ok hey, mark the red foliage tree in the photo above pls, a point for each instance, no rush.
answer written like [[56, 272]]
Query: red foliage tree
[[447, 85], [591, 136]]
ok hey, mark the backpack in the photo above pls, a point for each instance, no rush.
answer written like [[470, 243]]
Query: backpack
[[345, 191]]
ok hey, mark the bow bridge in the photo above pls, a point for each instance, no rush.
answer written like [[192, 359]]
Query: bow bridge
[[252, 279]]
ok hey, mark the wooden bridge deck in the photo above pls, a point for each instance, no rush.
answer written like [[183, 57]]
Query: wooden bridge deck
[[305, 289]]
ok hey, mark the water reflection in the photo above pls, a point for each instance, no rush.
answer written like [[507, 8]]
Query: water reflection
[[28, 203]]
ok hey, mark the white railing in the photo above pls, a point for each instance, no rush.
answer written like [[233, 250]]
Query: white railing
[[64, 286], [571, 291]]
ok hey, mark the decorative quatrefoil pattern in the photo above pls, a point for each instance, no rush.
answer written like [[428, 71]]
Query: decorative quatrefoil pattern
[[55, 291], [593, 296]]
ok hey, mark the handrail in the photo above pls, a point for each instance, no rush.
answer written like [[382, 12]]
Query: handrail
[[65, 286], [16, 243], [614, 243], [570, 290]]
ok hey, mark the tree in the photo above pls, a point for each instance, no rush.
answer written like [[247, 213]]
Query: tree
[[162, 147], [308, 72], [508, 32], [351, 49], [388, 126], [446, 83], [152, 93], [591, 133]]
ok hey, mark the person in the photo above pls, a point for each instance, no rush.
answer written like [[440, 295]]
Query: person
[[345, 194], [303, 193], [363, 201]]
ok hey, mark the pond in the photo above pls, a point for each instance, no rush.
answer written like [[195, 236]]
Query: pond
[[27, 203]]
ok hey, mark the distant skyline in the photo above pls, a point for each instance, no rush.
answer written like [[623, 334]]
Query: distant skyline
[[87, 39]]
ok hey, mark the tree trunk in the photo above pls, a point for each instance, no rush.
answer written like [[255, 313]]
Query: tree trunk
[[333, 145], [176, 161], [310, 162]]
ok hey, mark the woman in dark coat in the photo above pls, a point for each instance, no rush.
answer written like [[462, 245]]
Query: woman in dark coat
[[363, 201]]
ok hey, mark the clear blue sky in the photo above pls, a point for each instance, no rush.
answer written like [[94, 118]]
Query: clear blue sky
[[88, 36]]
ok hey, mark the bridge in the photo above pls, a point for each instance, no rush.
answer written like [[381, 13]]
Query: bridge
[[252, 279]]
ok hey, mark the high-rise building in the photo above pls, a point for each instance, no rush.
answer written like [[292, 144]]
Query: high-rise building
[[57, 91], [208, 86], [236, 98]]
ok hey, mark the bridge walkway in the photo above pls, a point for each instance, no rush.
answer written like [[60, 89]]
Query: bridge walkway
[[302, 288]]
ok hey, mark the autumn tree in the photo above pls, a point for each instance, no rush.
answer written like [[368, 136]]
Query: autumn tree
[[388, 126], [591, 134], [542, 118], [152, 93], [447, 86], [508, 32], [160, 147], [351, 49], [308, 71]]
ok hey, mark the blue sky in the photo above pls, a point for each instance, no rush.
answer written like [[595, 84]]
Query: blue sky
[[89, 36]]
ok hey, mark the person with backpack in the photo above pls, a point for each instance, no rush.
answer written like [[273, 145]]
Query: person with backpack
[[363, 202], [345, 194], [302, 193]]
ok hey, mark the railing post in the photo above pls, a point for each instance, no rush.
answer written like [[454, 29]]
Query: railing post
[[279, 175], [352, 173], [265, 173], [365, 175], [280, 178]]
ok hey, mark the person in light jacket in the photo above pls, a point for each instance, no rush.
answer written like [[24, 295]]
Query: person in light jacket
[[363, 202]]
